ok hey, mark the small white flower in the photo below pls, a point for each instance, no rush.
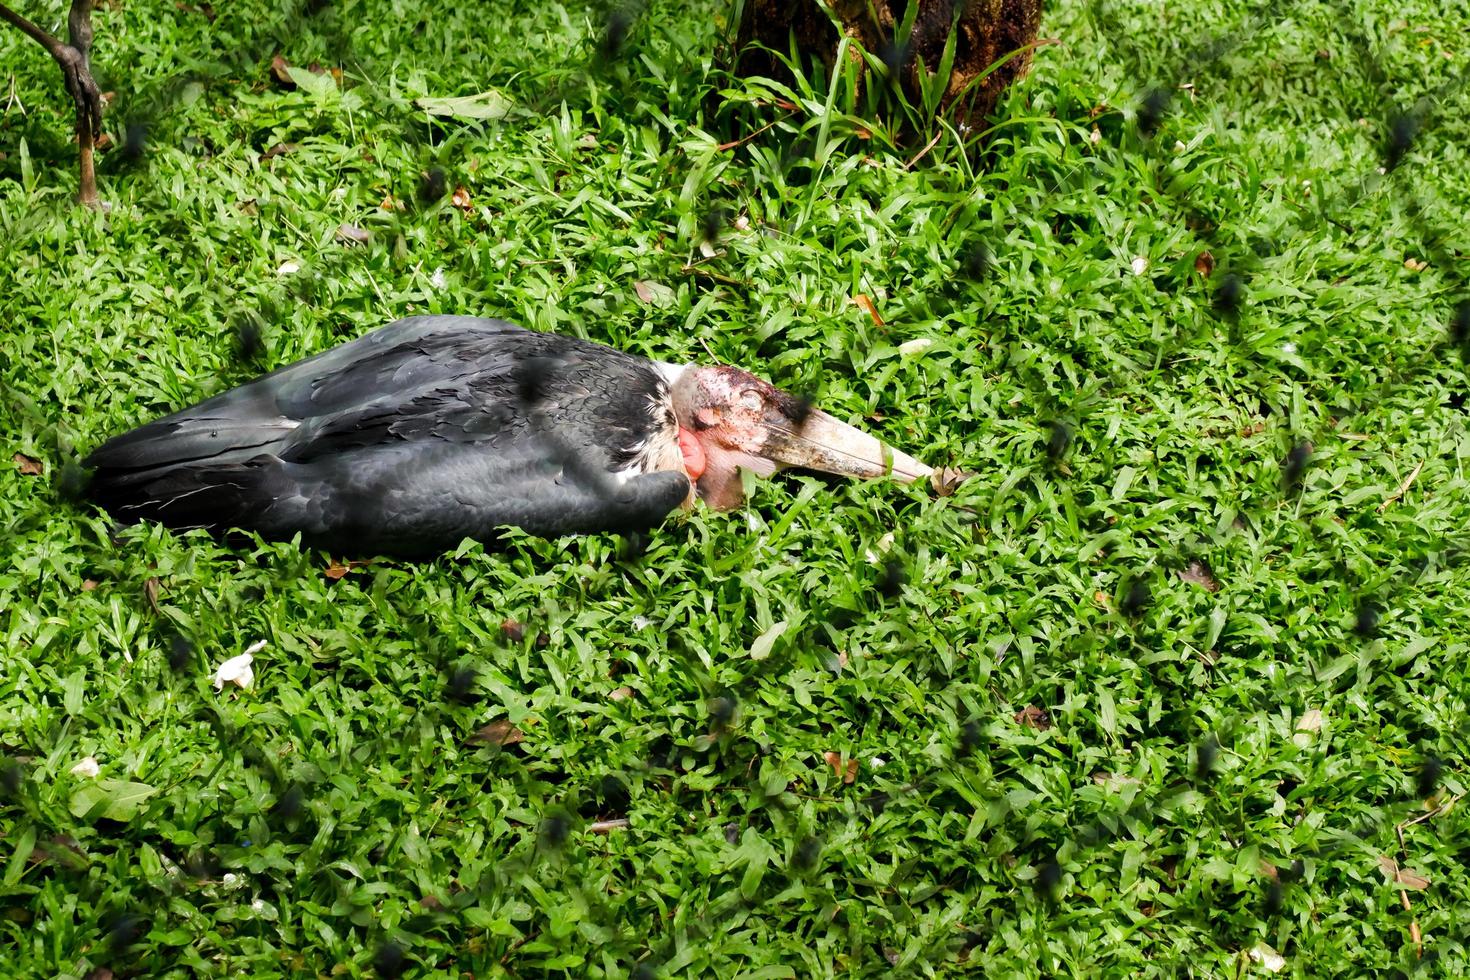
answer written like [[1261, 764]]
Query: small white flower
[[640, 622], [87, 767], [1140, 265], [751, 521], [1288, 348], [878, 762], [237, 670], [232, 881], [287, 267], [1179, 146], [437, 280], [257, 906], [1095, 137], [915, 346]]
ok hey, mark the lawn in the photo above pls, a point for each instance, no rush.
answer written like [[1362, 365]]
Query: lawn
[[1175, 684]]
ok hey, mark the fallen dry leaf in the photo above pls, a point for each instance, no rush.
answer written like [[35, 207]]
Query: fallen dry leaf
[[834, 759], [603, 826], [653, 293], [1199, 573], [391, 203], [1403, 877], [89, 584], [512, 630], [281, 71], [461, 199], [1204, 263], [28, 466], [947, 480], [864, 301], [151, 588], [102, 142], [499, 732], [353, 235], [621, 694], [337, 569], [1254, 429], [1268, 957], [279, 150], [1033, 717], [1415, 265]]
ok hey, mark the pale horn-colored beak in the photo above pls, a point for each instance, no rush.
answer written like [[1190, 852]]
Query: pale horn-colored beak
[[820, 442]]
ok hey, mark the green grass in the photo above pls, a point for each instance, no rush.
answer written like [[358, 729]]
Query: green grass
[[340, 813]]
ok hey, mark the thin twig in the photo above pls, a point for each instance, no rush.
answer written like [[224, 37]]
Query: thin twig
[[1403, 487], [746, 139], [604, 826], [922, 153]]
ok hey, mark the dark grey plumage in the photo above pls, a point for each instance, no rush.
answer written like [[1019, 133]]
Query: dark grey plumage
[[408, 440]]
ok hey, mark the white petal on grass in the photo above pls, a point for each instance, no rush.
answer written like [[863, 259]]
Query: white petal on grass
[[1139, 265], [237, 670], [87, 767], [288, 267], [437, 280], [916, 346]]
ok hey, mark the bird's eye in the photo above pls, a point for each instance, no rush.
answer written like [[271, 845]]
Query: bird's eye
[[752, 399]]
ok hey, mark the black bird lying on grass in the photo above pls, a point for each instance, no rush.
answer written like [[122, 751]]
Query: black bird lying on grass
[[437, 428]]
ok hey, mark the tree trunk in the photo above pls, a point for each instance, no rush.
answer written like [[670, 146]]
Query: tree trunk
[[987, 31]]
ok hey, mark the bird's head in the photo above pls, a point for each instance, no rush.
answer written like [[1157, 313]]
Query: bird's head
[[730, 420]]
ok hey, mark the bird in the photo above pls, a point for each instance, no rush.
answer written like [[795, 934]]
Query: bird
[[433, 429]]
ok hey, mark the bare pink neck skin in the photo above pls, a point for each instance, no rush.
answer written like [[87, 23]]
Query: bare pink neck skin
[[693, 452]]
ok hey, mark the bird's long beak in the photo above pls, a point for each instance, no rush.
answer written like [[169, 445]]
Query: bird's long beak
[[820, 442]]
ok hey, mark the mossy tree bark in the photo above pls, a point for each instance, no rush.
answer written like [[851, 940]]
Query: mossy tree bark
[[986, 32]]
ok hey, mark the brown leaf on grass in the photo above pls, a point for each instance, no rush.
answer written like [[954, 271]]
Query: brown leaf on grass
[[1254, 429], [337, 569], [279, 150], [1204, 264], [391, 203], [512, 630], [461, 199], [353, 235], [102, 143], [1403, 877], [1199, 573], [499, 732], [834, 759], [205, 9], [28, 466], [947, 480], [88, 585], [151, 588], [281, 72], [1033, 717], [653, 293], [866, 302], [621, 694]]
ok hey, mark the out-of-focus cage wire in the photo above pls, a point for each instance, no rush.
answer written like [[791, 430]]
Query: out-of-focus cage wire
[[293, 814]]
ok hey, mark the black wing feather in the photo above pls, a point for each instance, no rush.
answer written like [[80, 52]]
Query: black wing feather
[[405, 442]]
